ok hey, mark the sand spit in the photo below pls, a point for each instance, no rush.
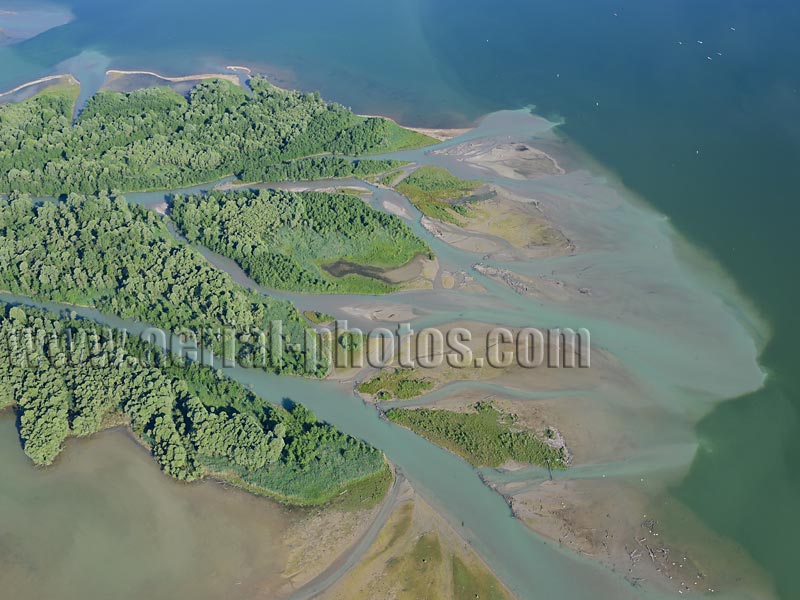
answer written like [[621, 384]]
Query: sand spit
[[439, 134], [36, 86], [129, 81], [512, 160], [115, 73], [629, 420], [442, 135]]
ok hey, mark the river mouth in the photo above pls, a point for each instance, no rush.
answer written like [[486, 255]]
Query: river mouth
[[642, 418]]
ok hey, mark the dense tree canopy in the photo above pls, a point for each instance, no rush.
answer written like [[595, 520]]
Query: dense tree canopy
[[155, 138], [281, 239], [72, 377], [318, 167], [103, 252]]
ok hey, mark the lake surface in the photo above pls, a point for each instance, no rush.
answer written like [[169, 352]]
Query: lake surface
[[106, 523], [709, 139]]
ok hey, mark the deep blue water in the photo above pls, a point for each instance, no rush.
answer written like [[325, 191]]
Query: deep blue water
[[713, 143]]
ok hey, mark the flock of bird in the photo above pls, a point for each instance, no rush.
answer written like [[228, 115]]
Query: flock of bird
[[681, 43], [701, 43]]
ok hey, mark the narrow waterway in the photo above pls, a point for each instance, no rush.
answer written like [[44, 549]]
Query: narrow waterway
[[677, 364]]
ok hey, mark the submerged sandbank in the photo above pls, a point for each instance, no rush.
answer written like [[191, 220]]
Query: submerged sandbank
[[679, 333], [675, 328], [22, 22]]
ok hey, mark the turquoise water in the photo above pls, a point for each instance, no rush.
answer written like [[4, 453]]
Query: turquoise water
[[710, 143]]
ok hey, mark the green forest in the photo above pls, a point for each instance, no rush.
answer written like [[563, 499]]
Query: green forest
[[484, 438], [283, 239], [318, 167], [121, 259], [155, 138], [68, 377], [429, 189]]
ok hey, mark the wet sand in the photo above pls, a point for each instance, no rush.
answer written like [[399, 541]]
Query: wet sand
[[26, 90], [661, 367], [629, 423], [412, 557], [512, 160], [129, 81], [504, 228]]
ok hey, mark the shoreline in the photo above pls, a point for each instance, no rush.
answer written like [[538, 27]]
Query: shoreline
[[440, 133], [117, 73], [189, 78], [68, 76]]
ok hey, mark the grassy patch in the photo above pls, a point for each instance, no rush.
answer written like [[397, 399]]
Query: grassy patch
[[430, 188], [401, 384], [485, 438], [352, 191], [422, 568], [475, 582], [390, 178], [364, 494], [399, 138], [318, 318]]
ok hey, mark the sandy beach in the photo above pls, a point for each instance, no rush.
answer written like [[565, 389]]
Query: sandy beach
[[439, 134], [49, 80], [114, 73]]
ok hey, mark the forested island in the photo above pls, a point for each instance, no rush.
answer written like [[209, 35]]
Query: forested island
[[120, 258], [284, 240], [90, 247], [70, 377], [155, 138]]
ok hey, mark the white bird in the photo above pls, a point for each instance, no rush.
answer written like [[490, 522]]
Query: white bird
[[709, 58], [719, 53], [699, 41], [733, 28]]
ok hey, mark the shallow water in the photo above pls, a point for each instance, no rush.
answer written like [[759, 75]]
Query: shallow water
[[653, 356], [711, 143], [106, 523]]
